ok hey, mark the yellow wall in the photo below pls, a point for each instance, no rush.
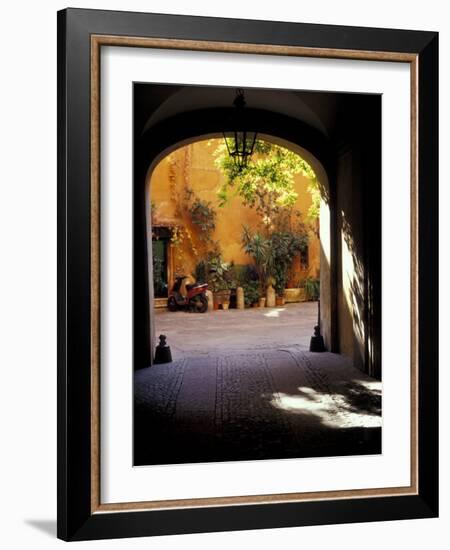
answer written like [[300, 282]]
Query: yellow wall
[[193, 166]]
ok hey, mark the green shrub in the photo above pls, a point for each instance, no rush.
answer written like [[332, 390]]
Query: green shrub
[[214, 271], [201, 272], [252, 292], [312, 288], [285, 245]]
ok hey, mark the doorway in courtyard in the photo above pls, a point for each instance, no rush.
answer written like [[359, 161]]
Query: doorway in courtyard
[[246, 260]]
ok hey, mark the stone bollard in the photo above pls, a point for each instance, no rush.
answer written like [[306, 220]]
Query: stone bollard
[[209, 296], [162, 352], [270, 296], [240, 301]]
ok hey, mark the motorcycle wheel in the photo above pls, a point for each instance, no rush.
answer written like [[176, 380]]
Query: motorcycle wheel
[[172, 304], [199, 303]]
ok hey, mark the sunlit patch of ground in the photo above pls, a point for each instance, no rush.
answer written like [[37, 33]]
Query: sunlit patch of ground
[[334, 410]]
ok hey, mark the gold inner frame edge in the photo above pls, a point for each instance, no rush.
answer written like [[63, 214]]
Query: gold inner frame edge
[[97, 41]]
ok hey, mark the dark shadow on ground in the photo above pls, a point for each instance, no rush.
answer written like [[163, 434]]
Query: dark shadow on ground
[[257, 430], [158, 446]]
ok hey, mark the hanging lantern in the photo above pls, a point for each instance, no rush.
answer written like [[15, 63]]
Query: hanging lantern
[[240, 146]]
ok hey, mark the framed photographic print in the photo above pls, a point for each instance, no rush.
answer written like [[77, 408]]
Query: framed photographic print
[[247, 255]]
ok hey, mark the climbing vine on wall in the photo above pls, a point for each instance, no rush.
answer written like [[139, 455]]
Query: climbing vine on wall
[[197, 217], [203, 216]]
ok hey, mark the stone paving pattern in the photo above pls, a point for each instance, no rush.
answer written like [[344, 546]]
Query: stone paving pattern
[[267, 400]]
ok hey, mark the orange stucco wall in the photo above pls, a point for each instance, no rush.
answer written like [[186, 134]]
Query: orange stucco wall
[[193, 166]]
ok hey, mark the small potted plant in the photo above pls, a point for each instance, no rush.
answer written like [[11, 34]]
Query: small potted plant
[[217, 280], [252, 293]]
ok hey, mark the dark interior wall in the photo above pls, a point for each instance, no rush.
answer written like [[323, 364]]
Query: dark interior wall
[[372, 160], [358, 224]]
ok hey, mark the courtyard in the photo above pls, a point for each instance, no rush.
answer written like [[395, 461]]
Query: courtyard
[[243, 386]]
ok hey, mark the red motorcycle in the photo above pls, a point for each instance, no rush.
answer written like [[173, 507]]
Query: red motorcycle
[[195, 299]]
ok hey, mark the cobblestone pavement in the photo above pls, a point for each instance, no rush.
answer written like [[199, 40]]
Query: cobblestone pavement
[[270, 401]]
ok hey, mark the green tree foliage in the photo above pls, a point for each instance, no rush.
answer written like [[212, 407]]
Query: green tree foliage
[[266, 183], [314, 191]]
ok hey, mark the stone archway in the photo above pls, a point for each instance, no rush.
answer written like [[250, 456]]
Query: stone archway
[[347, 161]]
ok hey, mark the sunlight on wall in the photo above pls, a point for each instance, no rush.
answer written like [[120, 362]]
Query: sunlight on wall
[[324, 231], [348, 270], [352, 288], [325, 262]]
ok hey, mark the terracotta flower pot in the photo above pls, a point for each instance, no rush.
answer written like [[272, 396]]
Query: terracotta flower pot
[[222, 296]]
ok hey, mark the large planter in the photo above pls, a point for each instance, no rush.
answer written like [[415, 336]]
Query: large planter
[[294, 295], [221, 297]]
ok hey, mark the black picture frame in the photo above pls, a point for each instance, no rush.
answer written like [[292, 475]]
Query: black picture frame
[[76, 520]]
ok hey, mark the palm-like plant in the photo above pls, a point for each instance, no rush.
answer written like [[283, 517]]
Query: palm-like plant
[[260, 249]]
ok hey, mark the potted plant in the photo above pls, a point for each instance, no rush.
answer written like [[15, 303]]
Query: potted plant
[[217, 279], [252, 292], [312, 288], [259, 248], [285, 243], [214, 271]]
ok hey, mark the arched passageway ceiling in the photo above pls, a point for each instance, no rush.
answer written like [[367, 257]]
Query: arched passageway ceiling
[[192, 126], [316, 110]]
